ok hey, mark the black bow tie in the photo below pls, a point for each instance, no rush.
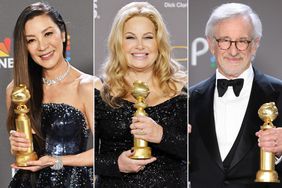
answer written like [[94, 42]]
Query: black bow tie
[[222, 85]]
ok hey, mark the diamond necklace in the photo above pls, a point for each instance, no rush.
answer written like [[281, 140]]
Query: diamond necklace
[[58, 78]]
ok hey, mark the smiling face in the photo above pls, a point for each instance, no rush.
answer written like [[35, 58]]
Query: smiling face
[[233, 62], [139, 43], [44, 41]]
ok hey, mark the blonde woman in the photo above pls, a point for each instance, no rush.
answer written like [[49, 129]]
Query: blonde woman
[[139, 49]]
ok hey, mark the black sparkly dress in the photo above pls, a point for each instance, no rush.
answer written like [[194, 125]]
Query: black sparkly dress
[[112, 137], [66, 134]]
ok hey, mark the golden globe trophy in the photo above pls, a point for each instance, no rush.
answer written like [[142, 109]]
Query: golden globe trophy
[[20, 96], [140, 91], [267, 112]]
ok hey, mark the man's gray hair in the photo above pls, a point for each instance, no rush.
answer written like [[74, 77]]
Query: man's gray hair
[[230, 10]]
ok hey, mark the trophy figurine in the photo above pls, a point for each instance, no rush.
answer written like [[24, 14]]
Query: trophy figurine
[[267, 112], [140, 91], [20, 96]]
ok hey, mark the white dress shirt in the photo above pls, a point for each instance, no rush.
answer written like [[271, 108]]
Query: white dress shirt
[[229, 111]]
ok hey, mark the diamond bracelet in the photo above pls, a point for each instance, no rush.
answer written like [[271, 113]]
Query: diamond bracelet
[[58, 163]]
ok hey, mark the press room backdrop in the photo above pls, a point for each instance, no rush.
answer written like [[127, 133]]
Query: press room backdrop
[[79, 18], [269, 54], [174, 13]]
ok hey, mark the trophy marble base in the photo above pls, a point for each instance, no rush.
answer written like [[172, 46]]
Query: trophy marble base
[[141, 153], [267, 176], [22, 159]]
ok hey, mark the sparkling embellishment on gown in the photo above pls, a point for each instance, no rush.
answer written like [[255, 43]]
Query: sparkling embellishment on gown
[[66, 133], [112, 137]]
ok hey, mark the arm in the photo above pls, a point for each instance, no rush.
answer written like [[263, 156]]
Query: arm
[[84, 96], [170, 136], [105, 164], [112, 163], [174, 140]]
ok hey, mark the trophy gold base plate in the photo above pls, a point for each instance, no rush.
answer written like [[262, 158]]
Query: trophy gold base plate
[[267, 176], [22, 159], [141, 153]]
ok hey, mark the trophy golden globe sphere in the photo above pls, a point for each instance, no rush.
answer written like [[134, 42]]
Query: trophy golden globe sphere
[[20, 96], [140, 91], [268, 112], [267, 174]]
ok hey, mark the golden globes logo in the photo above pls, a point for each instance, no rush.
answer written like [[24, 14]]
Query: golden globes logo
[[6, 61]]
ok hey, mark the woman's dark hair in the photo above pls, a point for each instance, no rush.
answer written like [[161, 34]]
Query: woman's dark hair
[[26, 71]]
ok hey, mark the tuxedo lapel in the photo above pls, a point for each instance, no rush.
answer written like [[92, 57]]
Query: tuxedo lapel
[[206, 125], [261, 93]]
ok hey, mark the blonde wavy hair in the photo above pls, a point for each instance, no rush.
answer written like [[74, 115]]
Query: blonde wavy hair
[[165, 69]]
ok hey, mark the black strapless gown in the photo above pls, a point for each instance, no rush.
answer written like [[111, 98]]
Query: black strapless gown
[[112, 137], [66, 133]]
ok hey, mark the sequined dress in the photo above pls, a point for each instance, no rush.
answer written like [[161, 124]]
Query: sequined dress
[[112, 137], [66, 133]]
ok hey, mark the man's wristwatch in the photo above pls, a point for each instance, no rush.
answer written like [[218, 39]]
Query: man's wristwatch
[[58, 163]]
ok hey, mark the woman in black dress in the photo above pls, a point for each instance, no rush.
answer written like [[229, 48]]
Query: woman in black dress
[[61, 109], [139, 49]]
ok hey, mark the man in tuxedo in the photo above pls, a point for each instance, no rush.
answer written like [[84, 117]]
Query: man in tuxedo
[[224, 149]]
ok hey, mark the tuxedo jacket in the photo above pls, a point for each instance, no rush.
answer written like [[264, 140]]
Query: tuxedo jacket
[[206, 168]]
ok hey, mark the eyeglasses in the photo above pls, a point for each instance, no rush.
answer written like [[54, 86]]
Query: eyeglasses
[[225, 44]]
